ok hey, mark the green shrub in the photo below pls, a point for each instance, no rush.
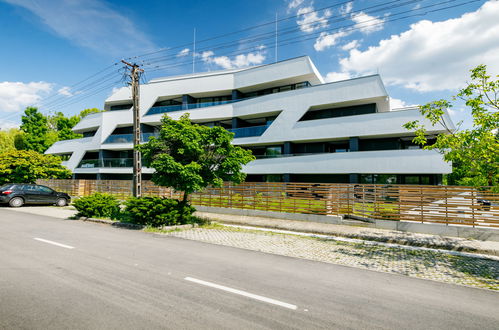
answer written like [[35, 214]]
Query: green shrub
[[157, 211], [98, 205]]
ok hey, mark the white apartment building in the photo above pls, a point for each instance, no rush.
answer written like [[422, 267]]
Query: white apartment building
[[300, 128]]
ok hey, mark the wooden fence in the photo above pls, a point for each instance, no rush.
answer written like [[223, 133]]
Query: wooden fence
[[456, 205]]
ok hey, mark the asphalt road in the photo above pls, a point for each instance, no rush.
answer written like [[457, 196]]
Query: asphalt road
[[63, 274]]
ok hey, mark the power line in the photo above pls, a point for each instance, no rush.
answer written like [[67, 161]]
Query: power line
[[350, 27], [283, 42]]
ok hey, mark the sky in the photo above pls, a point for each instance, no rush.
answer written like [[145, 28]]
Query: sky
[[63, 55]]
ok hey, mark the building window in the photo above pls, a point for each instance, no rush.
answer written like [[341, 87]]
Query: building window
[[117, 107], [89, 133], [64, 157], [339, 112]]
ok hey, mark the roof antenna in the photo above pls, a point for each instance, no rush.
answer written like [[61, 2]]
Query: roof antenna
[[193, 50], [275, 48]]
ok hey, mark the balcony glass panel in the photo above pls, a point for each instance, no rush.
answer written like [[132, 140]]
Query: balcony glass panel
[[163, 109], [107, 162], [190, 106], [248, 131], [128, 138]]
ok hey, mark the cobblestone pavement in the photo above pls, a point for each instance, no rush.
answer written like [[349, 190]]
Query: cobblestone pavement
[[431, 265]]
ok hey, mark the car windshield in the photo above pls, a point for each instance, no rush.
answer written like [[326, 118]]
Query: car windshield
[[6, 186]]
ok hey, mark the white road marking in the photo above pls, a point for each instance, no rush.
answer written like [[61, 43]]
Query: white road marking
[[53, 243], [242, 293]]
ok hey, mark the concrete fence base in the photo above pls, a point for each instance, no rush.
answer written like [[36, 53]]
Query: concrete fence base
[[482, 234]]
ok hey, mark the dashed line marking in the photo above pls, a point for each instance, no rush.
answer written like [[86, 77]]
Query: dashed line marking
[[53, 243], [242, 293]]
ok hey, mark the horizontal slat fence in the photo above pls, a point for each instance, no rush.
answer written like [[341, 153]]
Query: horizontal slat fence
[[456, 205]]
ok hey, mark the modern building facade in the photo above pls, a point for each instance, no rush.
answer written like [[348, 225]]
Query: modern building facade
[[300, 128]]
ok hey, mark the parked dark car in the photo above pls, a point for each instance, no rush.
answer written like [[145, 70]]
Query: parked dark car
[[18, 194]]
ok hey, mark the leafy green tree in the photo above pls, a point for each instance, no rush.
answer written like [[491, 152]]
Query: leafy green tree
[[63, 126], [8, 138], [36, 129], [189, 157], [87, 112], [27, 166], [474, 152]]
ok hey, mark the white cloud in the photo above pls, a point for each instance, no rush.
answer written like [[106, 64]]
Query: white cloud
[[398, 103], [433, 56], [326, 40], [351, 45], [15, 96], [310, 20], [294, 4], [239, 61], [337, 76], [347, 8], [65, 91], [7, 124], [366, 23], [183, 52], [90, 23]]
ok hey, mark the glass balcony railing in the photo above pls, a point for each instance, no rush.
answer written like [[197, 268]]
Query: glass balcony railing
[[190, 106], [128, 138], [108, 162], [163, 109], [248, 131]]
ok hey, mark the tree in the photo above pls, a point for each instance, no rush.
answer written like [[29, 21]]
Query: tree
[[36, 129], [474, 152], [27, 166], [189, 157], [63, 126], [8, 138], [90, 111]]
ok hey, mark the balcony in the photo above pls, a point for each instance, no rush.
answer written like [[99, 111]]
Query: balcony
[[190, 106], [248, 131], [128, 138], [107, 162]]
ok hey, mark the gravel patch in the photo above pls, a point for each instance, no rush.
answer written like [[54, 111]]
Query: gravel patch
[[431, 265]]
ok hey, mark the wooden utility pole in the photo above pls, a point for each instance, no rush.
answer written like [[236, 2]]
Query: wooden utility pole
[[137, 162]]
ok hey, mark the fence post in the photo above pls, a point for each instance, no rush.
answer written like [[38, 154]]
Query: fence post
[[473, 207], [421, 201]]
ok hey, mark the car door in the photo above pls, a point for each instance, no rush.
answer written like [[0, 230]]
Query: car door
[[47, 195], [31, 194]]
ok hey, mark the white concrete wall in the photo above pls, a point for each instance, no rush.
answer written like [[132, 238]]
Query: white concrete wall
[[376, 162]]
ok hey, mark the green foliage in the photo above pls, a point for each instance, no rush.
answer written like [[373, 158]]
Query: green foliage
[[98, 205], [27, 166], [39, 132], [8, 138], [35, 126], [190, 157], [474, 152], [157, 211], [87, 112], [63, 126]]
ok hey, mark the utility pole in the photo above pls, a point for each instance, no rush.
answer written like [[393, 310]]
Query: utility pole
[[135, 72]]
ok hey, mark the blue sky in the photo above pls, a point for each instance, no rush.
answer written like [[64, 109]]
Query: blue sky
[[49, 45]]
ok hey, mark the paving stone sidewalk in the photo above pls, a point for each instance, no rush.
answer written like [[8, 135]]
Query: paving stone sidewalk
[[425, 264], [365, 233]]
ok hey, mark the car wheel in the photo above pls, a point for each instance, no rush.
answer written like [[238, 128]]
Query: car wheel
[[61, 202], [16, 202]]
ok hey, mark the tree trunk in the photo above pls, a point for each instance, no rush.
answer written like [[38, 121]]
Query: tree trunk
[[186, 197]]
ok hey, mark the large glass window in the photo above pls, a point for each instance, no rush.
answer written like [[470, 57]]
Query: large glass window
[[117, 107], [339, 112]]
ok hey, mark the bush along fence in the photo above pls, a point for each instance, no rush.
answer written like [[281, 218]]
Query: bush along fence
[[456, 205]]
